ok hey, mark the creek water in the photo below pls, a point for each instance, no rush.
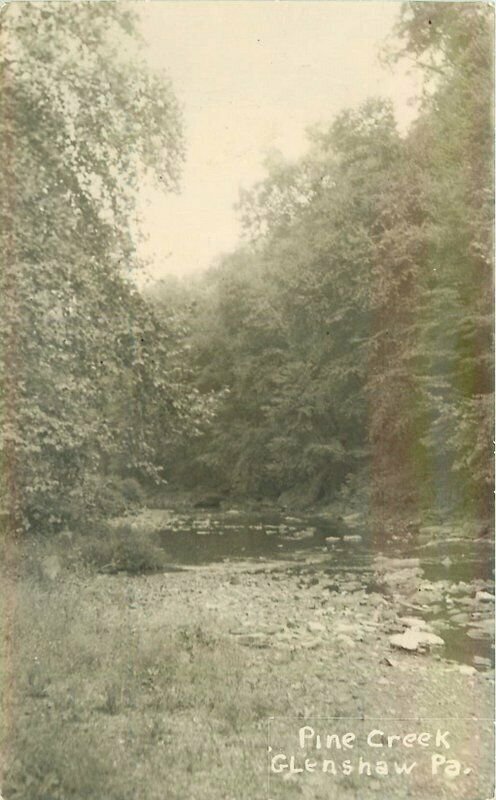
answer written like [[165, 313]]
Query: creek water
[[455, 574]]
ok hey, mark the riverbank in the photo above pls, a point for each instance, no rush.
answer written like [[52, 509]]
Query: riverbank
[[162, 685]]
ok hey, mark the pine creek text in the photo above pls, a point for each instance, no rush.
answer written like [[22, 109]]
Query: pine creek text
[[381, 744]]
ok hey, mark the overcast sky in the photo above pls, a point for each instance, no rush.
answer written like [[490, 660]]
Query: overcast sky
[[252, 75]]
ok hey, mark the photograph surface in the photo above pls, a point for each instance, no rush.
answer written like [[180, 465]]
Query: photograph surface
[[246, 400]]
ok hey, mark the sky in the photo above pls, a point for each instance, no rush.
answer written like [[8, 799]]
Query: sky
[[251, 76]]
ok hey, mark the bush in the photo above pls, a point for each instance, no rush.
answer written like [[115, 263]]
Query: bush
[[123, 549]]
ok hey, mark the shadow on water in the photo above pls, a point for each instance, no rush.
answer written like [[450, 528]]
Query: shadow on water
[[316, 544]]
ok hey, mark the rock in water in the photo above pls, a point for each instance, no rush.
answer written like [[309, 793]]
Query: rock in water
[[482, 661]]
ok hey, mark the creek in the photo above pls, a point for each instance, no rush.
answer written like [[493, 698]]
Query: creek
[[447, 581]]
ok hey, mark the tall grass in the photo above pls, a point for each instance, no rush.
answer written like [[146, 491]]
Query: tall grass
[[108, 710]]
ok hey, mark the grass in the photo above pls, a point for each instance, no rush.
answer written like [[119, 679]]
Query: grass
[[107, 711]]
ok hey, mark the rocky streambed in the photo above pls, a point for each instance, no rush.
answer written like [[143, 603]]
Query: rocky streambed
[[260, 624], [432, 593]]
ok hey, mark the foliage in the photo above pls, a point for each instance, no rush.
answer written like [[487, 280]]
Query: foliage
[[351, 333], [84, 358], [122, 548]]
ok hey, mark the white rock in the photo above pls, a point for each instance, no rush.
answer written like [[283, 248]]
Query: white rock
[[484, 597], [413, 639], [404, 641], [466, 669]]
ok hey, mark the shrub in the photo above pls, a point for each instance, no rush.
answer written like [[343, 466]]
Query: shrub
[[123, 548]]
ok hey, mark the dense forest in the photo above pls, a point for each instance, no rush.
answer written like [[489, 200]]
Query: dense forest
[[349, 340], [343, 353]]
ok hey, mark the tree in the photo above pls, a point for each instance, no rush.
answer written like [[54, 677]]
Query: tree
[[353, 330], [452, 145], [80, 123]]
